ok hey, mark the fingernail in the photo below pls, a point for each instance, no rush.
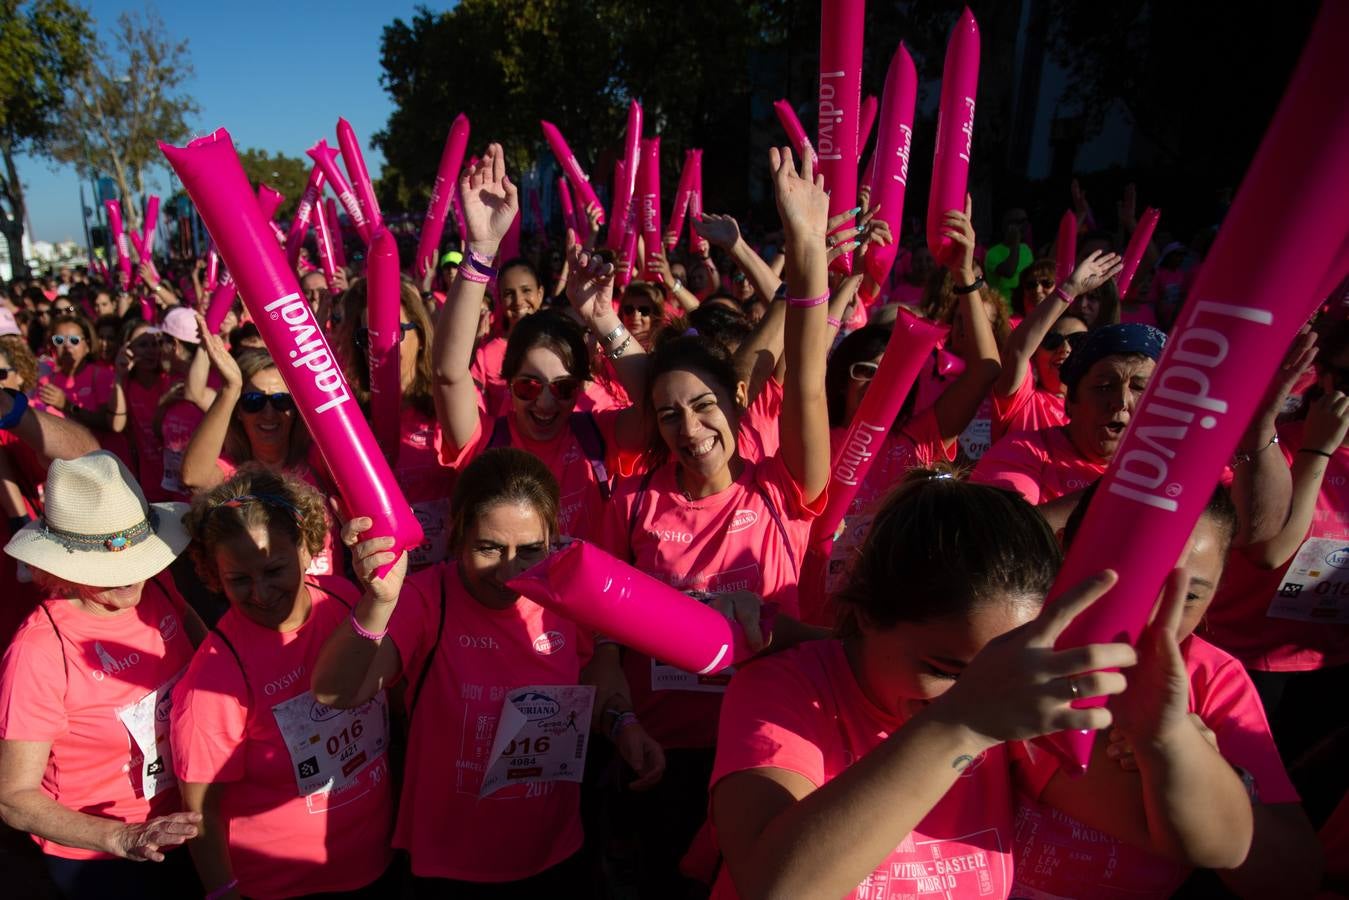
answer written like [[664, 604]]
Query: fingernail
[[861, 228], [854, 211]]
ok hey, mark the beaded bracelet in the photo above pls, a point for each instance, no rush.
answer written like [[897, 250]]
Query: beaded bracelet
[[804, 302], [365, 633], [468, 273], [834, 322]]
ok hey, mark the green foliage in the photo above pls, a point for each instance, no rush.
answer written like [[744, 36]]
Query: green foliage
[[280, 172]]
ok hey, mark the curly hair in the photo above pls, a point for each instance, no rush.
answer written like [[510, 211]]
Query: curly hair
[[21, 358], [254, 497]]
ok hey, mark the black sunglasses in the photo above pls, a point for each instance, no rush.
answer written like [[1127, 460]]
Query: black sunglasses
[[254, 401], [1053, 341], [4, 373], [629, 309], [362, 335], [1046, 283]]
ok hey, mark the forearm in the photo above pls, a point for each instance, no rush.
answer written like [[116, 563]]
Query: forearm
[[764, 279], [203, 448], [1285, 858], [54, 437], [210, 848], [1262, 485], [1023, 341], [631, 366], [452, 353], [1309, 470], [804, 411], [34, 812], [612, 694], [195, 388], [342, 674]]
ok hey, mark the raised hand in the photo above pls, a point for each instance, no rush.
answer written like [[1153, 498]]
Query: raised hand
[[1093, 272], [1327, 423], [959, 228], [220, 358], [721, 230], [490, 200], [369, 556], [802, 202], [1156, 700], [590, 283]]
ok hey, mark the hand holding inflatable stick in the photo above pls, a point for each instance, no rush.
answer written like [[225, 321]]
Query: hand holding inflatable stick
[[580, 182], [648, 199], [215, 180], [796, 132], [447, 177], [839, 105], [625, 179], [123, 245]]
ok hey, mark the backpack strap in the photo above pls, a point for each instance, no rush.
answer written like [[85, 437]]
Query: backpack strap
[[782, 528], [238, 659], [642, 487], [60, 640], [431, 653], [587, 433], [501, 434]]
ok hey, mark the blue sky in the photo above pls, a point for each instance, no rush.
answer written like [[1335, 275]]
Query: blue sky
[[276, 74]]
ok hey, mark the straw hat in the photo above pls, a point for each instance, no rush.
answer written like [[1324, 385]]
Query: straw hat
[[97, 528]]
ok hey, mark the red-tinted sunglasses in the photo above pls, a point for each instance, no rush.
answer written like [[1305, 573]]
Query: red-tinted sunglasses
[[528, 388]]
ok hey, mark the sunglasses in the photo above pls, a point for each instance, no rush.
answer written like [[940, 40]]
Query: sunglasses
[[629, 309], [362, 335], [253, 402], [63, 310], [62, 339], [1053, 341], [863, 371], [564, 389], [1046, 283], [4, 373]]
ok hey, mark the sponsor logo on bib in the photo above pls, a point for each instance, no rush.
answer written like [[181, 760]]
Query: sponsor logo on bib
[[549, 643], [1339, 558]]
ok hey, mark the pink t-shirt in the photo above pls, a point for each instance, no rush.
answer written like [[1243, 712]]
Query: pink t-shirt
[[730, 541], [803, 711], [1029, 409], [482, 655], [181, 420], [581, 501], [426, 483], [759, 436], [142, 403], [1042, 465], [1294, 618], [90, 388], [326, 561], [100, 695], [1059, 857], [486, 371], [285, 839]]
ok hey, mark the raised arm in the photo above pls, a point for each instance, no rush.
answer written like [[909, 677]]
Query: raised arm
[[203, 449], [490, 202], [804, 208], [51, 437]]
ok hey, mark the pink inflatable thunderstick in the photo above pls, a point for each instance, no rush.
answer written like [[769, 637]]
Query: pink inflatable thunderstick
[[1065, 248], [894, 140], [304, 214], [326, 157], [360, 177], [384, 321], [123, 245], [865, 119], [447, 178], [339, 245], [839, 103], [569, 209], [604, 595], [681, 201], [955, 136], [632, 159], [1138, 245], [220, 302], [580, 182], [324, 233], [214, 179], [796, 132], [648, 198], [212, 268], [269, 201], [1249, 300], [696, 202], [148, 231]]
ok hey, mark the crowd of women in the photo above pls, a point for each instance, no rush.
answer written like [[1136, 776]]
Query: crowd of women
[[216, 684]]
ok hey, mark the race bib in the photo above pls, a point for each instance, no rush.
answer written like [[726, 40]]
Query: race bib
[[541, 736], [173, 471], [333, 752], [665, 677], [434, 517], [1316, 585], [147, 721], [977, 437]]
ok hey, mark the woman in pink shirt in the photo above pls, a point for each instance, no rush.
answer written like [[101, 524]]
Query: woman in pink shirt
[[883, 763], [1058, 856], [497, 708], [85, 687], [78, 389], [426, 483], [295, 798]]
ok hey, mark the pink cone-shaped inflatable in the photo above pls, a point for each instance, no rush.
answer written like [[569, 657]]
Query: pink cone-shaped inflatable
[[148, 230], [796, 132], [1065, 248], [447, 178], [339, 245], [324, 233], [894, 140], [955, 135], [1138, 245], [360, 178], [580, 182], [696, 202], [865, 119], [115, 225], [632, 160], [909, 346], [594, 589], [383, 316], [212, 269], [326, 157], [214, 179], [569, 210], [1256, 288], [681, 201], [838, 103], [648, 203], [304, 214]]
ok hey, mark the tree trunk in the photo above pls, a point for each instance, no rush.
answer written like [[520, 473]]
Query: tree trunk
[[18, 212]]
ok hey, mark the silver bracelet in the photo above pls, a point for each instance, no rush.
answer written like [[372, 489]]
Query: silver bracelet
[[678, 286], [613, 335], [620, 349], [1240, 458]]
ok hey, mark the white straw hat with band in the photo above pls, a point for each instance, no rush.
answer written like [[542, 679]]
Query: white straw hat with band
[[97, 528]]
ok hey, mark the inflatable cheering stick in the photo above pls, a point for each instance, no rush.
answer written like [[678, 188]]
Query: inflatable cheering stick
[[839, 104], [580, 182], [1138, 245], [215, 180], [569, 220], [339, 245], [360, 178], [326, 157], [304, 214], [447, 177], [648, 196], [1249, 300], [955, 136], [696, 203], [681, 202], [625, 180], [383, 316], [222, 296], [865, 119], [796, 132], [894, 140], [123, 245]]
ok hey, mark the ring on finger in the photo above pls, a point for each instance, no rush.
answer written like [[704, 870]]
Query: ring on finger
[[1073, 688]]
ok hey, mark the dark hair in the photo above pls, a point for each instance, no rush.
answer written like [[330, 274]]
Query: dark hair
[[237, 448], [283, 504], [550, 329], [1107, 297], [1072, 384], [1041, 268], [519, 262], [1220, 510], [503, 475], [689, 353], [940, 547], [865, 343], [728, 327]]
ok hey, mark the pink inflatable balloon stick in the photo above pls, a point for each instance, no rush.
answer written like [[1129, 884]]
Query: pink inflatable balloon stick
[[1249, 300], [604, 595], [212, 269], [360, 178], [580, 182], [681, 201], [955, 135], [696, 202], [447, 180], [323, 231], [1065, 248], [838, 103], [339, 245], [214, 179], [796, 132], [115, 225], [304, 215], [894, 141], [569, 210], [384, 318], [269, 201], [909, 347], [147, 251], [1138, 245], [219, 304], [865, 119], [632, 160], [326, 157], [648, 200]]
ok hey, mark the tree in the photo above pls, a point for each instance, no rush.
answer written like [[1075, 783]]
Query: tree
[[126, 99], [279, 172], [41, 48]]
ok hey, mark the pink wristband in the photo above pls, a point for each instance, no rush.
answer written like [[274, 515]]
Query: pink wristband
[[1062, 294], [834, 322], [222, 890], [368, 635], [803, 302], [468, 273]]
